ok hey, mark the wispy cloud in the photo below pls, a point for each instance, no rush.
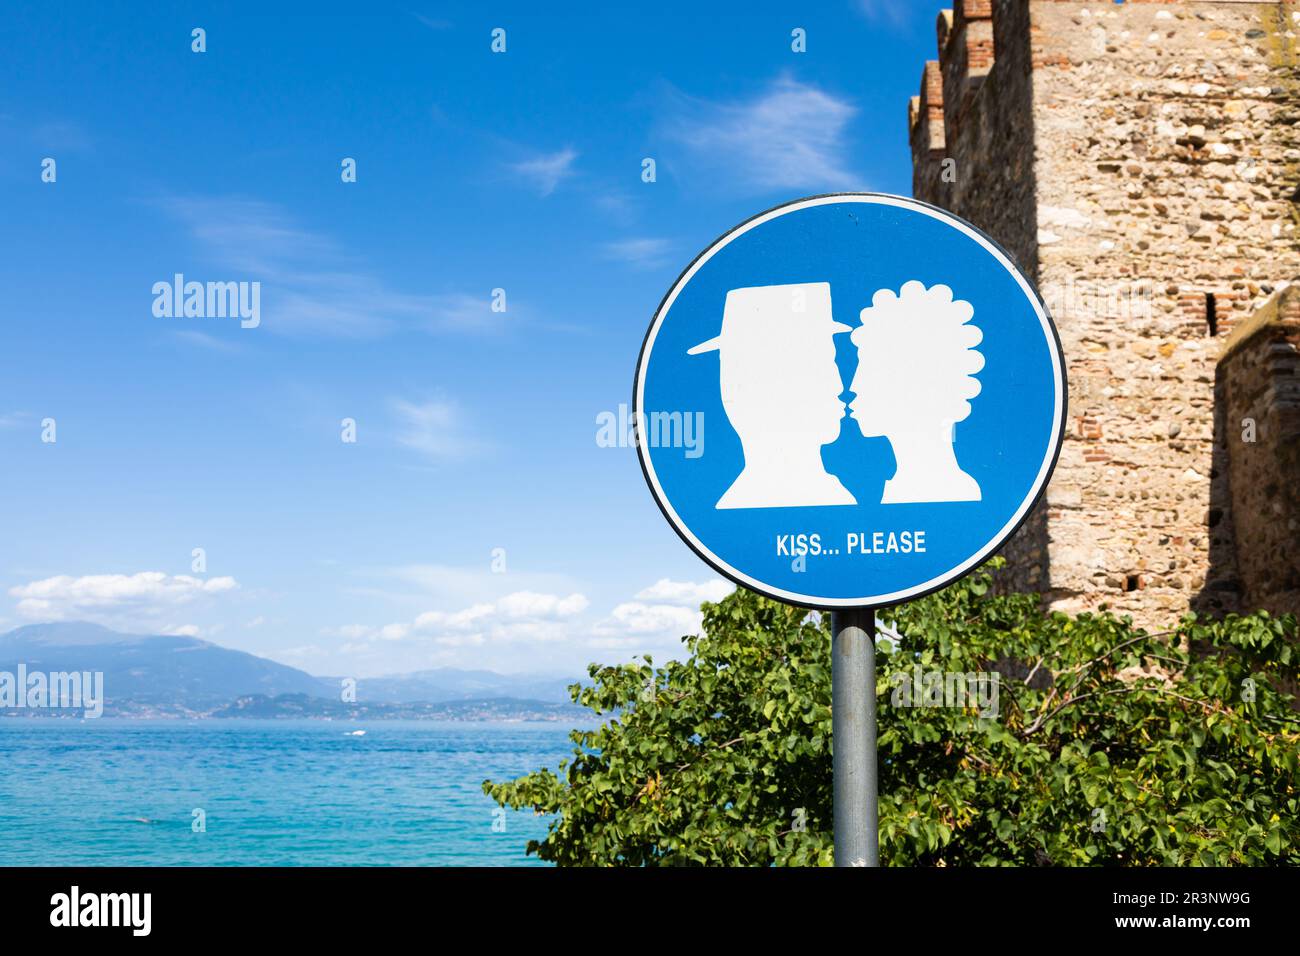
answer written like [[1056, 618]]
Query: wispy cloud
[[518, 616], [436, 430], [790, 136], [433, 23], [645, 252], [425, 584], [250, 235], [462, 312], [538, 621], [617, 204], [310, 283], [210, 342], [296, 656], [63, 136], [50, 136], [546, 171], [894, 12]]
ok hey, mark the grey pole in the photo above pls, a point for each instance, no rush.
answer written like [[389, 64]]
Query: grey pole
[[853, 715]]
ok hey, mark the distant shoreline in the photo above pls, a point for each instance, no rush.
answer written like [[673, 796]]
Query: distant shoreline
[[304, 707]]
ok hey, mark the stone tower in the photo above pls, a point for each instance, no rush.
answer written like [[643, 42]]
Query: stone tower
[[1141, 161]]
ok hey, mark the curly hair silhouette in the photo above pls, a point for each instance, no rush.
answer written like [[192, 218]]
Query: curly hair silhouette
[[914, 382]]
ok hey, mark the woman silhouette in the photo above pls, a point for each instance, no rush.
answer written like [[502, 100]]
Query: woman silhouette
[[916, 362]]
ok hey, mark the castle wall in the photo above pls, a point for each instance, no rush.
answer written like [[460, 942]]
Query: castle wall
[[1259, 390], [1140, 161]]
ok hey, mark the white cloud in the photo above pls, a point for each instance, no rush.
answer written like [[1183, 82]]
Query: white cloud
[[148, 593], [686, 593], [636, 617], [435, 429], [466, 618], [518, 616], [394, 632], [185, 630], [532, 604], [454, 620], [791, 136], [546, 171], [645, 252]]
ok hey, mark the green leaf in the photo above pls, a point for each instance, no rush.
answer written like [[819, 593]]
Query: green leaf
[[732, 763]]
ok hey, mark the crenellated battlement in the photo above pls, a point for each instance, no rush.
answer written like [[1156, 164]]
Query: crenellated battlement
[[926, 122], [965, 56], [949, 85]]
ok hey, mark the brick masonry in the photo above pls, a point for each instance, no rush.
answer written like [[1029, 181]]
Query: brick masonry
[[1141, 161]]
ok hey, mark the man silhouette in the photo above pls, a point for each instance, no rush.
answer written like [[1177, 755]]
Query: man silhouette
[[916, 362], [780, 388]]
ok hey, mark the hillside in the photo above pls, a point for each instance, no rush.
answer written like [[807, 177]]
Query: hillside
[[162, 675]]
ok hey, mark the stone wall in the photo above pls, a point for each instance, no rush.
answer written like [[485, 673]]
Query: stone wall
[[1141, 162], [1258, 388]]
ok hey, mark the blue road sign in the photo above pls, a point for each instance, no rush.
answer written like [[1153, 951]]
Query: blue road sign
[[849, 400]]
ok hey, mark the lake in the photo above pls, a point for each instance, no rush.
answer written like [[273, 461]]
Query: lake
[[288, 793]]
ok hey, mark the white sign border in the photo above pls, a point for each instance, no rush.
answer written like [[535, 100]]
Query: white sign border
[[940, 580]]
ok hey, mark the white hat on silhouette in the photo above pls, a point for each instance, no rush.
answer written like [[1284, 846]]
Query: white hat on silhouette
[[773, 313]]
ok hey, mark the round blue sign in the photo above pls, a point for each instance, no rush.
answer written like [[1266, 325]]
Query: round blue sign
[[849, 400]]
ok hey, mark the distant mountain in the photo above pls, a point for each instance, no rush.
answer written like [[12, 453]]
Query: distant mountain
[[160, 675], [182, 673]]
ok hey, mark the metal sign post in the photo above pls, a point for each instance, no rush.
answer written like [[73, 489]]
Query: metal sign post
[[853, 713]]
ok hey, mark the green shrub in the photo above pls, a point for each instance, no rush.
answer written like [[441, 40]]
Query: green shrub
[[725, 758]]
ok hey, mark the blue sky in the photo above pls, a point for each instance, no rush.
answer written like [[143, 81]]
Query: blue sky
[[476, 430]]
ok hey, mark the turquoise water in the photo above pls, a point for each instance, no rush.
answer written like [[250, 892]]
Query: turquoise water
[[274, 792]]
